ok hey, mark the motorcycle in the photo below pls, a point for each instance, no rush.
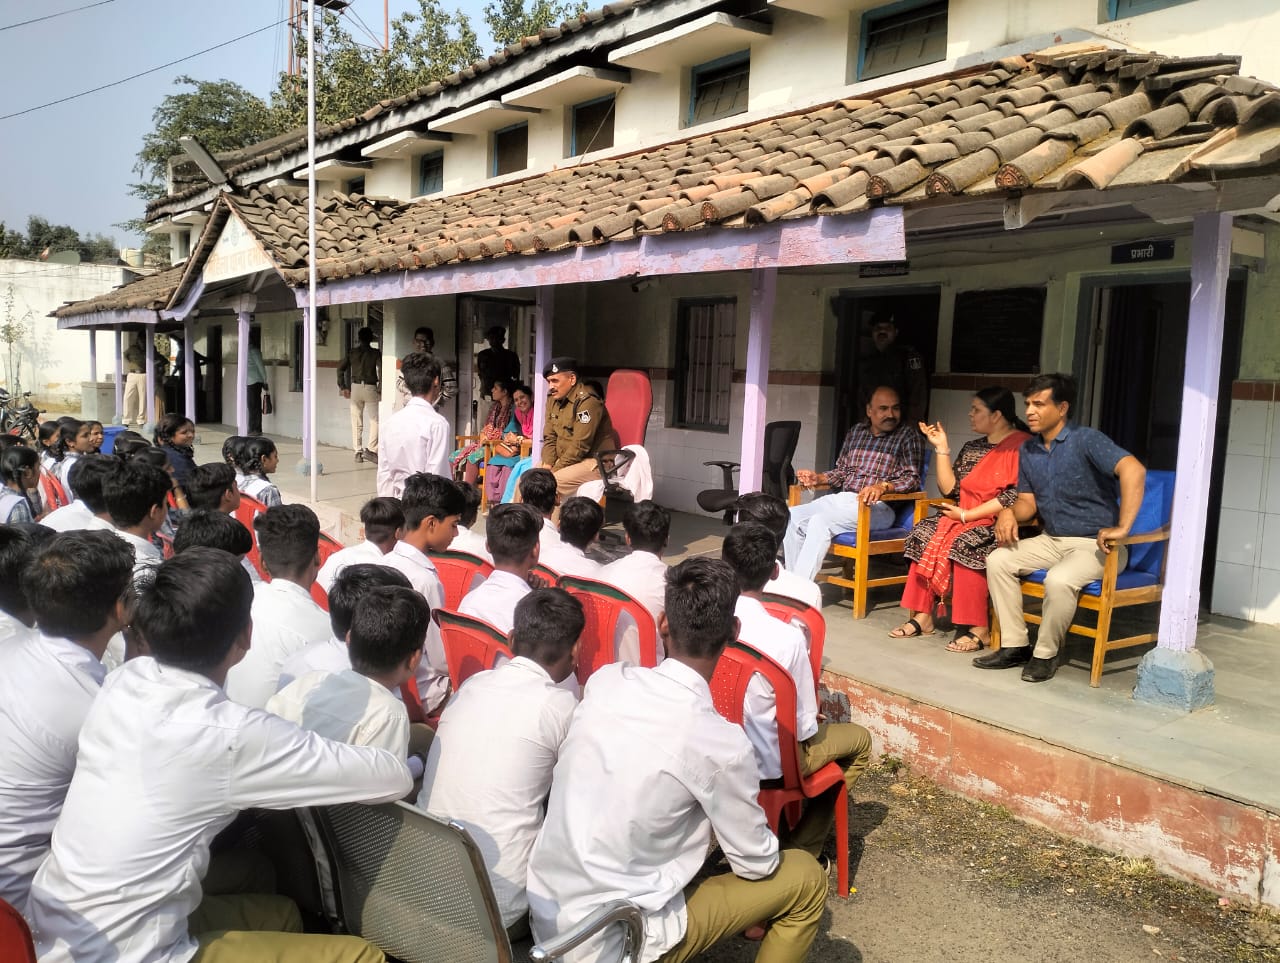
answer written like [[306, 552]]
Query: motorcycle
[[20, 420]]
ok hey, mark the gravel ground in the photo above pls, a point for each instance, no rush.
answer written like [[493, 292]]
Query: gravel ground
[[940, 878]]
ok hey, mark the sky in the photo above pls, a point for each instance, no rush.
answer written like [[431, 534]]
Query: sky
[[72, 163]]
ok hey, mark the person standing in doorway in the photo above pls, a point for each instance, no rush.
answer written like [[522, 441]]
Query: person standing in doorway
[[257, 381], [359, 379], [897, 366], [497, 362], [135, 383]]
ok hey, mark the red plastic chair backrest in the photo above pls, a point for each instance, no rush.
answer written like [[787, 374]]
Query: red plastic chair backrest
[[548, 575], [470, 645], [459, 572], [244, 513], [328, 545], [737, 665], [55, 496], [15, 936], [629, 400], [604, 606], [811, 620]]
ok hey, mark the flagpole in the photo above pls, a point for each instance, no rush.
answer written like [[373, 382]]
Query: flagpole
[[311, 453]]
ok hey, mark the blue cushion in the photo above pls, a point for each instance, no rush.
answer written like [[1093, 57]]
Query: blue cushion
[[850, 539], [1128, 579]]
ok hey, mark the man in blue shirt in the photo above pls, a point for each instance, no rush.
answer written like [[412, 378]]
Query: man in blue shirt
[[1068, 475]]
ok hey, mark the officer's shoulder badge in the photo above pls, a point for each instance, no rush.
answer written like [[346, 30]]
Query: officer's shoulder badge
[[584, 417], [915, 362]]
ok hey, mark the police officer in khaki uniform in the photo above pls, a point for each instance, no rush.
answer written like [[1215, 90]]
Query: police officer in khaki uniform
[[359, 380], [577, 427]]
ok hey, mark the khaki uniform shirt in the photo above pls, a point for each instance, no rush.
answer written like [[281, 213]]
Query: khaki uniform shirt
[[577, 426]]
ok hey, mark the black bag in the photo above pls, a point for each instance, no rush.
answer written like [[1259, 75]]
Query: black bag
[[267, 406]]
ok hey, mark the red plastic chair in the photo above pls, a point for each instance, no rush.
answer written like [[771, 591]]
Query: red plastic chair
[[459, 573], [470, 645], [629, 400], [244, 513], [811, 620], [738, 663], [328, 545], [547, 574], [604, 606], [15, 936], [52, 492]]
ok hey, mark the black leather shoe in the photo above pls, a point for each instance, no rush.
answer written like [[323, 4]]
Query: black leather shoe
[[1040, 670], [1004, 658]]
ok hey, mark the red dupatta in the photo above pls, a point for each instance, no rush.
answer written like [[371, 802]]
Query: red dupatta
[[994, 472]]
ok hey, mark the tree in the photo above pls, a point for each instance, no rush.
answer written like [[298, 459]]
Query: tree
[[41, 236], [510, 21]]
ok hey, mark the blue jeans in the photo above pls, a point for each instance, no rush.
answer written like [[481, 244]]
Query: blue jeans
[[813, 526]]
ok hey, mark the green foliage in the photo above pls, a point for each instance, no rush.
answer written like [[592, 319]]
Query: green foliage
[[510, 20], [42, 236]]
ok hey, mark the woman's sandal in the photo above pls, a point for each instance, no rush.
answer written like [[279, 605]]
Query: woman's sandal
[[898, 633], [965, 642]]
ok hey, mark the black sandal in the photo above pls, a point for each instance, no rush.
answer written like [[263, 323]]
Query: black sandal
[[899, 634]]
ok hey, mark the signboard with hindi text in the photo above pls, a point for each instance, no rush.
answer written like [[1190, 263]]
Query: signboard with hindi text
[[235, 254]]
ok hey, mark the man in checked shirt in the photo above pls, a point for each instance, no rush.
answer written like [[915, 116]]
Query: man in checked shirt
[[879, 455]]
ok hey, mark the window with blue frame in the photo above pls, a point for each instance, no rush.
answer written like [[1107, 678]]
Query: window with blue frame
[[1119, 9], [901, 36], [719, 88], [510, 149], [355, 185], [592, 126], [431, 173]]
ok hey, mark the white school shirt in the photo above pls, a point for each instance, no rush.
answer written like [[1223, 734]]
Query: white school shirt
[[643, 576], [46, 687], [433, 669], [416, 438], [494, 600], [548, 538], [796, 587], [786, 645], [145, 555], [346, 706], [366, 551], [331, 655], [64, 471], [13, 507], [166, 762], [470, 542], [565, 559], [649, 769], [286, 620], [259, 488], [69, 518], [12, 629], [490, 767]]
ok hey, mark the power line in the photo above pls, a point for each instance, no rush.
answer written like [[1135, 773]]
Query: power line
[[143, 73], [63, 13]]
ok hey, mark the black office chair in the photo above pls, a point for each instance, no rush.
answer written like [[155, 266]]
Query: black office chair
[[780, 439]]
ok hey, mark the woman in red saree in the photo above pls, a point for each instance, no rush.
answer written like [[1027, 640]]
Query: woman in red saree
[[949, 551]]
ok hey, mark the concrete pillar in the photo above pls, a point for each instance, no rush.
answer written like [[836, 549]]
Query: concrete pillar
[[189, 370], [119, 360], [308, 389], [149, 350], [543, 315], [243, 306], [93, 357], [764, 289], [1176, 673]]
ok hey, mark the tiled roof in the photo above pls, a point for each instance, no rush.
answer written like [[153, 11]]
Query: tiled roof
[[151, 293], [1069, 117]]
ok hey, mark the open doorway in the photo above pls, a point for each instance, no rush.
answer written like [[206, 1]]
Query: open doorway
[[1132, 385], [476, 316], [209, 401]]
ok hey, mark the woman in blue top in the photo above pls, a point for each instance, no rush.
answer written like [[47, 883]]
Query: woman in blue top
[[507, 452]]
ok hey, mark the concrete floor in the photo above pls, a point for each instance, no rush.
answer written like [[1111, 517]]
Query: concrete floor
[[1228, 749]]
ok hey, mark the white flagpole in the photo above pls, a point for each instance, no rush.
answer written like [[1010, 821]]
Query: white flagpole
[[313, 464]]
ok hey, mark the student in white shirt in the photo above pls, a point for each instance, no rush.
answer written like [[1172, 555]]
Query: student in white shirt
[[137, 495], [537, 487], [74, 442], [19, 485], [332, 654], [643, 574], [467, 540], [772, 512], [751, 550], [76, 588], [258, 459], [89, 510], [383, 522], [286, 618], [18, 544], [166, 762], [432, 505], [359, 705], [213, 486], [417, 437], [214, 529], [648, 771], [490, 765], [511, 532], [580, 523]]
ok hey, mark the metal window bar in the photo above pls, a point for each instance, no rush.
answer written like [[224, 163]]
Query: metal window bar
[[721, 93], [708, 380], [908, 39]]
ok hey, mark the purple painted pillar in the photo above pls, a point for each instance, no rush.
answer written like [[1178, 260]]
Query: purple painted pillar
[[543, 312], [149, 349], [189, 370], [764, 289], [1176, 673], [119, 418], [243, 306]]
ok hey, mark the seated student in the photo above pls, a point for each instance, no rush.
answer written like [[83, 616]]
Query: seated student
[[432, 506], [538, 488], [172, 760], [359, 705], [19, 485], [772, 512], [233, 454], [213, 486], [259, 458], [466, 540], [512, 538], [18, 544], [89, 510], [75, 439], [752, 552], [285, 617], [643, 573], [136, 496], [75, 586], [383, 520], [351, 585], [175, 435], [214, 529], [580, 523], [677, 772], [490, 765]]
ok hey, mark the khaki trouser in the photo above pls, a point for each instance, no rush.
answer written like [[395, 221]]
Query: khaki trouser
[[135, 393], [569, 480], [267, 929], [364, 397], [849, 746], [791, 900], [1072, 563]]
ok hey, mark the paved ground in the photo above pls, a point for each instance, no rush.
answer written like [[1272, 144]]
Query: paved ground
[[939, 879]]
